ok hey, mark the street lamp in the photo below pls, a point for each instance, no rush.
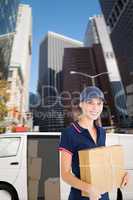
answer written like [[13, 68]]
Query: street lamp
[[92, 81], [89, 76]]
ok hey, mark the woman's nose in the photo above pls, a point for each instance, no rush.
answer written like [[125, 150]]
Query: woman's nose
[[95, 107]]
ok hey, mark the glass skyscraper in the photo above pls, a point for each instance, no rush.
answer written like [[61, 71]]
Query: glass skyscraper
[[119, 17], [8, 16]]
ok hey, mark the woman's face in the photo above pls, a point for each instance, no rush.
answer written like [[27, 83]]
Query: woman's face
[[92, 108]]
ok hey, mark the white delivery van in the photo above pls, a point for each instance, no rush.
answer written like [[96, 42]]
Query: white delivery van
[[29, 166], [29, 163]]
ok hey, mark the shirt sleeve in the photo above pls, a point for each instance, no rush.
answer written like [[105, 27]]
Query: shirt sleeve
[[67, 142]]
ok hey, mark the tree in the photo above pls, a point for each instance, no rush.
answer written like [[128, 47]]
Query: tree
[[4, 96], [4, 86], [2, 64], [3, 110]]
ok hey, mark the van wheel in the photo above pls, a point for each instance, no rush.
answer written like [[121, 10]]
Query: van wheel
[[7, 192]]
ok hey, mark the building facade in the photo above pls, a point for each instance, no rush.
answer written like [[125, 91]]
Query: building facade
[[50, 61], [119, 19], [97, 33], [8, 17], [107, 6], [14, 104], [21, 50], [50, 79]]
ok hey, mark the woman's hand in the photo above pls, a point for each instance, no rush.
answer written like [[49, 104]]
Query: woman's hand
[[94, 194], [125, 180]]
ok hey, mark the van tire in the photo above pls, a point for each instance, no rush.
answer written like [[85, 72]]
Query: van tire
[[10, 189]]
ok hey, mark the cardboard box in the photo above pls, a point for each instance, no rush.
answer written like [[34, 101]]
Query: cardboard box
[[29, 165], [32, 148], [52, 189], [103, 167], [34, 168], [33, 189]]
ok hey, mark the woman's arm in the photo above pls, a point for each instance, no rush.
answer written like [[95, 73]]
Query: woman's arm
[[68, 177]]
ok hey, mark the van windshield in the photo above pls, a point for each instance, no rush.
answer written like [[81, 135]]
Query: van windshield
[[9, 146]]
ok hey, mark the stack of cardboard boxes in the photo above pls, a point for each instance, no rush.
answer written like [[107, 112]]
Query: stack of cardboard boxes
[[34, 169], [52, 188]]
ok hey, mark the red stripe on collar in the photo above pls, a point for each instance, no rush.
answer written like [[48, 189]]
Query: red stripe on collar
[[76, 128]]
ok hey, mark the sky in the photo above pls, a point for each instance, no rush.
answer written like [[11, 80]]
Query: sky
[[66, 17]]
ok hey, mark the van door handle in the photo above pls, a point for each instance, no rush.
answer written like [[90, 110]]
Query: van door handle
[[14, 163]]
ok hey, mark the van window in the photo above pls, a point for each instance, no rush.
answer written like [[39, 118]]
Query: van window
[[9, 146]]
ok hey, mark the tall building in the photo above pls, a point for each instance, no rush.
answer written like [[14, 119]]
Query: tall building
[[50, 79], [107, 6], [97, 33], [119, 17], [50, 61], [21, 50], [8, 17]]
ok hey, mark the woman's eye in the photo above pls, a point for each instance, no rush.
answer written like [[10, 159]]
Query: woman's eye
[[89, 102], [100, 103]]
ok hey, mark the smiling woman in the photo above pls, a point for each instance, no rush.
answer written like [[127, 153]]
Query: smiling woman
[[80, 135]]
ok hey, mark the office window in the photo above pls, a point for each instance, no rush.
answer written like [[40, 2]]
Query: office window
[[110, 22], [10, 73], [114, 17], [120, 4], [117, 10]]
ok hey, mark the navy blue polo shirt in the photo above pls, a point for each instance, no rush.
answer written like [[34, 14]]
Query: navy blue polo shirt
[[73, 139]]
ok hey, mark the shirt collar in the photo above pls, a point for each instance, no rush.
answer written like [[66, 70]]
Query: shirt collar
[[80, 129]]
